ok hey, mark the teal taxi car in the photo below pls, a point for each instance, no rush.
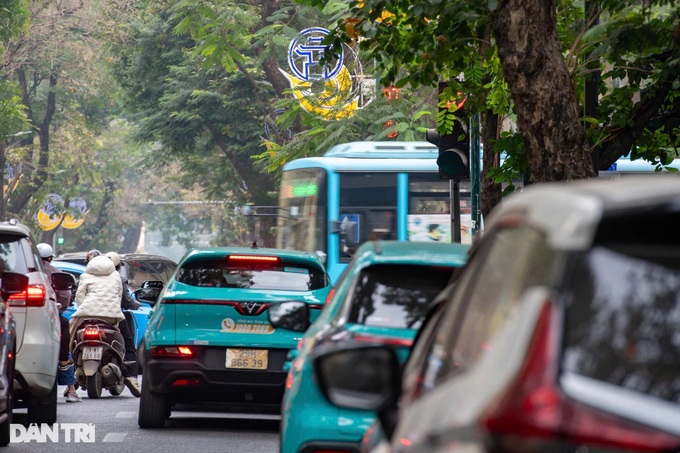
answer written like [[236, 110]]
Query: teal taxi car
[[382, 297], [209, 339]]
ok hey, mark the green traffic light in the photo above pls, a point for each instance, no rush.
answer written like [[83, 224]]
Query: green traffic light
[[453, 163], [60, 241]]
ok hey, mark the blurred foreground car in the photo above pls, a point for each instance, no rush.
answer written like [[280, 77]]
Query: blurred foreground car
[[562, 334], [209, 340], [381, 298]]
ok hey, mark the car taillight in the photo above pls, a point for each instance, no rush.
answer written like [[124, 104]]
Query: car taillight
[[172, 351], [534, 407], [185, 382], [407, 342], [91, 333], [34, 296], [330, 296]]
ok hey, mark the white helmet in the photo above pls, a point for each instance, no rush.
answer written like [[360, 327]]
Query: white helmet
[[113, 256], [45, 250]]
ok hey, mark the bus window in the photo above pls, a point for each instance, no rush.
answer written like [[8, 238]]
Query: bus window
[[429, 215], [427, 194], [370, 200], [302, 224]]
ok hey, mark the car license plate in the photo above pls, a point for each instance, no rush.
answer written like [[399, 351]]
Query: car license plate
[[92, 353], [250, 359]]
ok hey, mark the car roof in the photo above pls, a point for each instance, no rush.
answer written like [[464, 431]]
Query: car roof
[[78, 256], [69, 265], [144, 257], [14, 226], [405, 252], [570, 212], [216, 252]]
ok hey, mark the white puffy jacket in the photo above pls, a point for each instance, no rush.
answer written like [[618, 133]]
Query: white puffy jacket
[[99, 290]]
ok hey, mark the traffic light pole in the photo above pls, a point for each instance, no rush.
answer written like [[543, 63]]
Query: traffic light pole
[[454, 190], [475, 174]]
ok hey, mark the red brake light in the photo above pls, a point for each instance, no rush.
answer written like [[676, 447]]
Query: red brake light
[[534, 407], [91, 333], [34, 296], [254, 258], [172, 351]]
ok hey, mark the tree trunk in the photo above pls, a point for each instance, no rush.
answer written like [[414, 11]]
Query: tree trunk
[[492, 192], [131, 241], [102, 217], [35, 178], [540, 85]]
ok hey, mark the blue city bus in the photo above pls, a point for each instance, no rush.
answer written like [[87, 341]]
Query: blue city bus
[[361, 191], [624, 166], [365, 190]]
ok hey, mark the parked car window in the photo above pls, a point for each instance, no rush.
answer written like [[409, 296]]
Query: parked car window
[[281, 276], [622, 323], [395, 296], [517, 259], [12, 254]]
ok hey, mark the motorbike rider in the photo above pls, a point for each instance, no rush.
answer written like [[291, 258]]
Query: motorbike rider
[[130, 371], [65, 372], [98, 295]]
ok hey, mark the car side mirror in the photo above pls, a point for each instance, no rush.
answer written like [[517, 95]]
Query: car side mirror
[[148, 295], [361, 376], [153, 284], [63, 281], [293, 315], [13, 283]]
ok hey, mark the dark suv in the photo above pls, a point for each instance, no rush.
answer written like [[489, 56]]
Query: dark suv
[[562, 334]]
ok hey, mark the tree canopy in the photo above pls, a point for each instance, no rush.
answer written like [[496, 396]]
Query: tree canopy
[[537, 55]]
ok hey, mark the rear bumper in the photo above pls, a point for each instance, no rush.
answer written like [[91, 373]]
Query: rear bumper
[[205, 378]]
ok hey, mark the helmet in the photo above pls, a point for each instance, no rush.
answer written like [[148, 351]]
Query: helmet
[[91, 254], [45, 250], [113, 256]]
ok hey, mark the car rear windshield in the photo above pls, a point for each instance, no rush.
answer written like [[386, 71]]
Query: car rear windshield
[[395, 295], [138, 271], [12, 258], [623, 323], [283, 276]]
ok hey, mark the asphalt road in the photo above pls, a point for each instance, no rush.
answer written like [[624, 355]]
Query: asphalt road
[[114, 419]]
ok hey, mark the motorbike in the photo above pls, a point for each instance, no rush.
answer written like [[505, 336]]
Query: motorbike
[[99, 358]]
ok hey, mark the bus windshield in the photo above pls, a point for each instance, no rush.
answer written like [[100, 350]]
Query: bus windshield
[[302, 201]]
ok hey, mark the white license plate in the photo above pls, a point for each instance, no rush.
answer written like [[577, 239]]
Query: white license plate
[[249, 359], [92, 353]]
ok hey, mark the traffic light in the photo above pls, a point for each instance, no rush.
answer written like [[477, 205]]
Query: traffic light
[[454, 142]]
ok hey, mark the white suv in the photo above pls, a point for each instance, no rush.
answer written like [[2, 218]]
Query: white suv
[[37, 325]]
